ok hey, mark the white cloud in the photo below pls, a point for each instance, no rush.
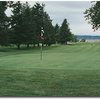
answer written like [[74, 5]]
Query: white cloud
[[63, 9], [83, 29]]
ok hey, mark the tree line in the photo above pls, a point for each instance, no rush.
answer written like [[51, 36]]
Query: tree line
[[23, 27]]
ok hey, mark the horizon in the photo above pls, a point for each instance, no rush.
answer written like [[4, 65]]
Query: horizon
[[89, 35]]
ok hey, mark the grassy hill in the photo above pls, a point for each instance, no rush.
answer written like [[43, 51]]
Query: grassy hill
[[66, 70]]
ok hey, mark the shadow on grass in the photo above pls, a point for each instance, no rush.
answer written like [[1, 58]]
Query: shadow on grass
[[23, 48], [31, 48]]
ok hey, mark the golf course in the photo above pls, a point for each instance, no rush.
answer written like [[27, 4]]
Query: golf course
[[65, 70]]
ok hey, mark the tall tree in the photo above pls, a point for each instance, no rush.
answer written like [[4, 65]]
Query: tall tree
[[65, 34], [49, 33], [38, 16], [93, 15], [74, 38], [27, 25], [16, 24], [3, 24], [57, 31]]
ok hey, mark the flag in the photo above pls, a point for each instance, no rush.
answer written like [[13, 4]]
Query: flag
[[42, 32]]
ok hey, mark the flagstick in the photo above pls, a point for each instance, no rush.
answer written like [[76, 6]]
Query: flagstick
[[42, 41], [41, 53]]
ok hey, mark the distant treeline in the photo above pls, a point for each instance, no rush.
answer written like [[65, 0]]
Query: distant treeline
[[24, 26], [88, 37]]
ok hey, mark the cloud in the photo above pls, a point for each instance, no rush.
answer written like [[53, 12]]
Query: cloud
[[63, 9], [83, 29], [73, 11]]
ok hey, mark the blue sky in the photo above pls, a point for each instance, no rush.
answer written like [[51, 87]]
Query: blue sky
[[72, 11]]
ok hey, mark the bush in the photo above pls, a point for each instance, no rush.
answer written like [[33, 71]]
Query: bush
[[74, 38], [83, 40]]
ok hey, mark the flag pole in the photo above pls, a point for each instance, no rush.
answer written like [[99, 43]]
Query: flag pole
[[42, 38], [41, 53]]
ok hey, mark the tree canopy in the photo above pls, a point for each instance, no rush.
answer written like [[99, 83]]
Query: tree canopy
[[93, 15], [65, 33], [3, 24], [23, 27]]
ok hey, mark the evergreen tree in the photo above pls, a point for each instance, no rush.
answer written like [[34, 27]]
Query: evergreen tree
[[49, 33], [65, 34], [16, 24], [74, 38], [3, 24], [27, 25], [38, 17], [57, 31]]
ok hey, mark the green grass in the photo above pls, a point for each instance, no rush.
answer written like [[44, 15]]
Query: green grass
[[66, 70]]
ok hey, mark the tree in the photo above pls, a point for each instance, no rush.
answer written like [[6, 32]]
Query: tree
[[74, 38], [65, 34], [17, 24], [49, 33], [27, 25], [38, 10], [3, 24], [93, 15], [83, 40], [33, 27], [57, 31]]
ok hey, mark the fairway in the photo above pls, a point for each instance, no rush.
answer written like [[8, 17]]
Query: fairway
[[66, 70]]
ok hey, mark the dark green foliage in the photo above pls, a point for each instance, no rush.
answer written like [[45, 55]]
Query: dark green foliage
[[93, 15], [74, 38], [83, 40], [49, 33], [23, 27], [57, 32], [3, 24], [26, 25], [65, 34], [38, 15], [17, 23]]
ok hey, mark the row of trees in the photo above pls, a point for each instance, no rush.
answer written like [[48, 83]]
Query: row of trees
[[3, 24], [24, 26], [63, 33]]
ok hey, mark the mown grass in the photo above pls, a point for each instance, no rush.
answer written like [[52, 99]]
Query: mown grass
[[66, 70]]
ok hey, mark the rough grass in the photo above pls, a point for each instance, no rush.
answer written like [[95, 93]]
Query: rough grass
[[66, 70]]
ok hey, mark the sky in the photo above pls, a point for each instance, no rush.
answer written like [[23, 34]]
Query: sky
[[73, 11]]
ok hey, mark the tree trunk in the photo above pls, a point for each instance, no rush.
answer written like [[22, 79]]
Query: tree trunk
[[33, 45], [38, 45], [27, 45], [18, 46], [49, 44], [42, 44]]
